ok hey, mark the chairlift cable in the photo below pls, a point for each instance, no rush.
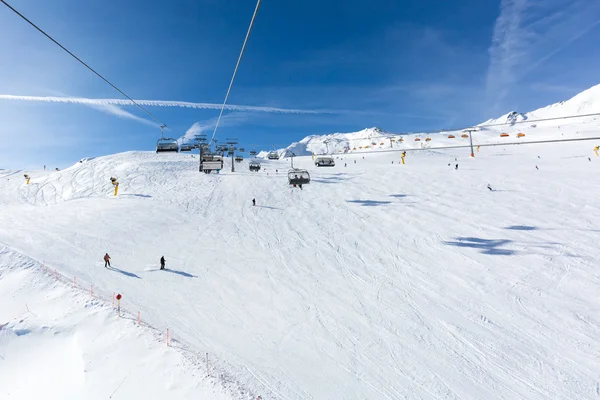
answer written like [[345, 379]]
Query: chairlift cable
[[237, 65], [82, 62]]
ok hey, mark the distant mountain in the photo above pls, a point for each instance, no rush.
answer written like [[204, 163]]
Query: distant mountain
[[586, 102]]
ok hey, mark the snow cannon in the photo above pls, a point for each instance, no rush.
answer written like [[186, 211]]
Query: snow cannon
[[115, 184], [596, 149]]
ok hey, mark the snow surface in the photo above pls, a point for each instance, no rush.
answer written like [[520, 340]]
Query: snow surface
[[58, 343], [376, 281], [376, 139]]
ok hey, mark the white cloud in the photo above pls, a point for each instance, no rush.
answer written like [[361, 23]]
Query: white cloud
[[509, 46], [162, 103], [207, 126], [527, 34], [119, 112]]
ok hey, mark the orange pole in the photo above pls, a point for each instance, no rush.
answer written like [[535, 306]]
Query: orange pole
[[74, 281], [139, 319], [113, 300]]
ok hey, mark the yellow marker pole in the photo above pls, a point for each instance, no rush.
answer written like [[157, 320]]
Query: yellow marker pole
[[28, 179], [116, 188], [596, 150], [313, 156], [402, 158], [478, 148]]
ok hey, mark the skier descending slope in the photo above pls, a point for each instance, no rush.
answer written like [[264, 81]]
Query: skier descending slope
[[162, 262], [106, 260]]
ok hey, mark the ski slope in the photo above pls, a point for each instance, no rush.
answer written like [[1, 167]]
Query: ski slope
[[376, 281], [63, 344]]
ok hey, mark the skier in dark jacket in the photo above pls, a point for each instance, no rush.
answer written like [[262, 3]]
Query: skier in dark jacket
[[106, 260], [162, 262], [253, 202]]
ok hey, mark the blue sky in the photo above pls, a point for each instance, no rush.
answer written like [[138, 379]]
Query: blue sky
[[400, 65]]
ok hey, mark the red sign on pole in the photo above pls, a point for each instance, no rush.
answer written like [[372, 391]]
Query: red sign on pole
[[119, 296]]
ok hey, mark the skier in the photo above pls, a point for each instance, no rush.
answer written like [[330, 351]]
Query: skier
[[345, 164], [162, 262], [106, 260], [536, 167], [456, 167], [253, 202], [489, 187]]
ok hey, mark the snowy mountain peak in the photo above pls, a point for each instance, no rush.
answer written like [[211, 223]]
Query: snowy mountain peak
[[586, 102]]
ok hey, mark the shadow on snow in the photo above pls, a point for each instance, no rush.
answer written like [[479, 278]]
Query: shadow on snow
[[174, 271], [521, 228], [487, 246], [369, 203], [129, 274], [269, 207], [137, 195]]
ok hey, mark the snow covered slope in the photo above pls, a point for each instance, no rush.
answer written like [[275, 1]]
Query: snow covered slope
[[58, 343], [377, 139], [586, 102], [376, 281]]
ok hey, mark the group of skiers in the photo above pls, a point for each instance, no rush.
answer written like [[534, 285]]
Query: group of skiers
[[107, 261]]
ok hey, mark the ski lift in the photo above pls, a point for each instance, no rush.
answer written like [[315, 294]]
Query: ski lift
[[273, 155], [211, 162], [186, 147], [298, 177], [166, 144], [242, 150], [239, 158], [252, 152], [324, 161], [254, 166]]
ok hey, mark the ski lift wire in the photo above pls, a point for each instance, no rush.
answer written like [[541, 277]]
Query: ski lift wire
[[237, 65], [82, 62]]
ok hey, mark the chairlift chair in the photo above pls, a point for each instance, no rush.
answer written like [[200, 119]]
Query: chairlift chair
[[254, 166], [167, 144], [324, 161], [211, 162], [273, 155], [239, 159], [186, 147], [298, 177]]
